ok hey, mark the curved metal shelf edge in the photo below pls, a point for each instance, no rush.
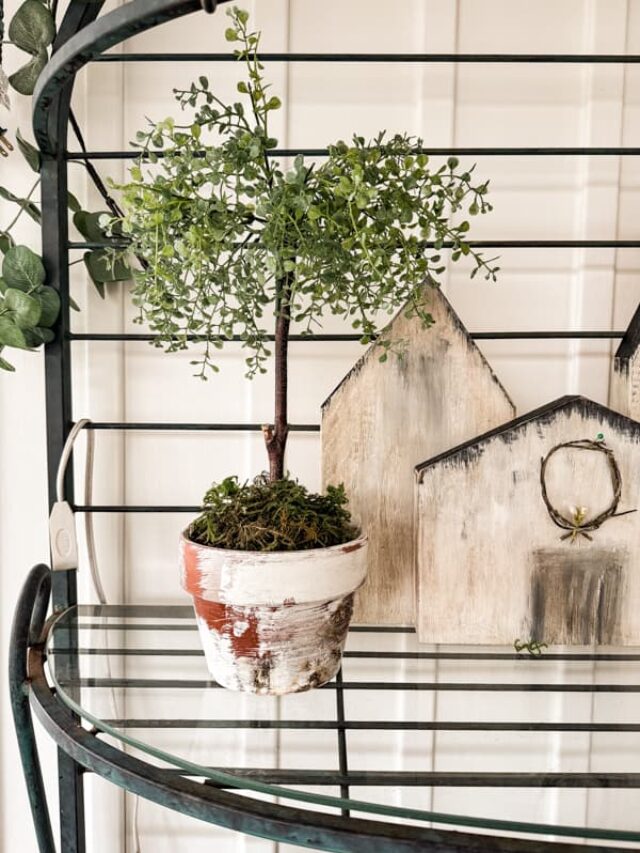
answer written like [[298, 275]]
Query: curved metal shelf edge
[[90, 41], [306, 828]]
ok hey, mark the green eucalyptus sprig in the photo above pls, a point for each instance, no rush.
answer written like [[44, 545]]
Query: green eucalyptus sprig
[[228, 236], [32, 30]]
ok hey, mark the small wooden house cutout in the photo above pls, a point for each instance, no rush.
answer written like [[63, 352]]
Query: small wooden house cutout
[[383, 419], [507, 548], [625, 382]]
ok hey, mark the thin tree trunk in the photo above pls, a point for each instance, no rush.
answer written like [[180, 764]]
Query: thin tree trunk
[[275, 435]]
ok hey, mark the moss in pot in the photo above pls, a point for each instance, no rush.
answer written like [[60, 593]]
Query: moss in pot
[[225, 236]]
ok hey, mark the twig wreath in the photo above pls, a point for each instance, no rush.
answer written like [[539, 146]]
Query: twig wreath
[[579, 525]]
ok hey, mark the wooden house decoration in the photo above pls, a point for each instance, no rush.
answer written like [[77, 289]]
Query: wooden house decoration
[[625, 382], [530, 532], [383, 419]]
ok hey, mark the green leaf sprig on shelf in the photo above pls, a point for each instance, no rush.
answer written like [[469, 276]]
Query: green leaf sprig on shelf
[[272, 516], [228, 236]]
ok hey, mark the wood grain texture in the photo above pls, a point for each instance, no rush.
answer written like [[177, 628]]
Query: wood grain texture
[[382, 420], [625, 381], [491, 564]]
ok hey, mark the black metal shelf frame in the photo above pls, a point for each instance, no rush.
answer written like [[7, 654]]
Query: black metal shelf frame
[[84, 37]]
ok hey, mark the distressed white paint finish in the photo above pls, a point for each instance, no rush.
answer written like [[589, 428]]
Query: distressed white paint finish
[[273, 623], [383, 420], [486, 543], [272, 578]]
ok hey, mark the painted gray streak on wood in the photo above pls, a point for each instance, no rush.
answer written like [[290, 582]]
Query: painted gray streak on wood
[[576, 595], [382, 419], [481, 521]]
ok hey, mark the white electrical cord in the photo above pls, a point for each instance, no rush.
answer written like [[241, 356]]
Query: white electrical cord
[[92, 558]]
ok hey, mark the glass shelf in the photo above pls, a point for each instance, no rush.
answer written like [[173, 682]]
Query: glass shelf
[[404, 729]]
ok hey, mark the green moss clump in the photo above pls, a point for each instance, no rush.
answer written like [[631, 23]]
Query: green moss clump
[[272, 516]]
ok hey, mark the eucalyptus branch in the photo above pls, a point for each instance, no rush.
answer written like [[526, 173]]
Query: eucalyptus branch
[[23, 204]]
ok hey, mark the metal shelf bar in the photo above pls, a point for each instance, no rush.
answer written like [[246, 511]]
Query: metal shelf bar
[[371, 725], [468, 151], [415, 779], [186, 427], [477, 336], [486, 244], [358, 655], [526, 58], [386, 686]]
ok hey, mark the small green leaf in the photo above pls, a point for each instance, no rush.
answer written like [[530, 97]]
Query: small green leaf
[[6, 242], [26, 309], [103, 268], [230, 34], [40, 335], [6, 365], [90, 226], [73, 204], [28, 151], [11, 335], [50, 305], [24, 80], [30, 208], [32, 28], [23, 269]]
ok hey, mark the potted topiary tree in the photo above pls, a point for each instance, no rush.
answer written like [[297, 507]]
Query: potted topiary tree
[[228, 237]]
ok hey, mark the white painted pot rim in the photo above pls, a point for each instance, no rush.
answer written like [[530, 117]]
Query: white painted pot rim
[[351, 544], [273, 578]]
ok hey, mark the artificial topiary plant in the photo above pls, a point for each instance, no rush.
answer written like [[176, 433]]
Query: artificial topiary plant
[[229, 237]]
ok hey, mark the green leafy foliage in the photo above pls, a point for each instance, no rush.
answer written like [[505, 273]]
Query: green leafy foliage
[[32, 29], [101, 265], [25, 78], [28, 307], [29, 152], [272, 516], [220, 226]]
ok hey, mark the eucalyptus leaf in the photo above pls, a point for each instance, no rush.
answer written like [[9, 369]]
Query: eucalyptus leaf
[[50, 305], [40, 335], [6, 365], [103, 267], [73, 204], [29, 207], [23, 269], [26, 309], [28, 151], [88, 224], [24, 80], [32, 28], [6, 242], [11, 335]]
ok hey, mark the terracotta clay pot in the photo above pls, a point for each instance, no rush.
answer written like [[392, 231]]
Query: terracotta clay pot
[[273, 622]]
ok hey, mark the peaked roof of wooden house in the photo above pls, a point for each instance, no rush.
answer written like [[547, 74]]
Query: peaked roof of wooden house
[[543, 415], [455, 323]]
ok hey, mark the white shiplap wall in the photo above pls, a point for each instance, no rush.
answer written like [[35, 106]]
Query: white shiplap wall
[[553, 197]]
